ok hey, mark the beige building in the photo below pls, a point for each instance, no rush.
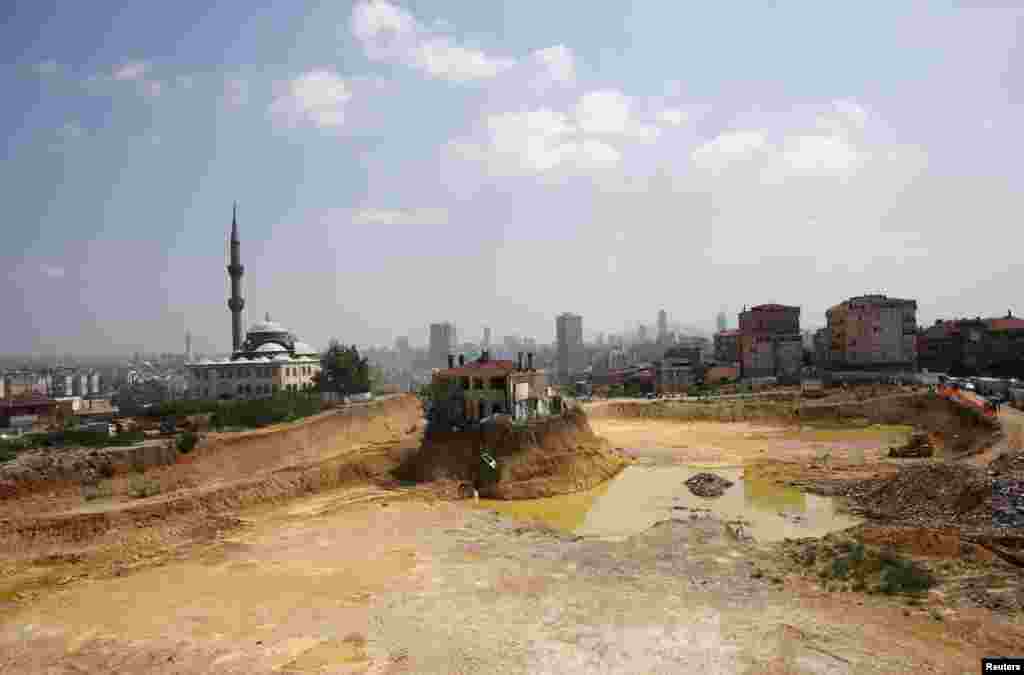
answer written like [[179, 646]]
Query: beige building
[[270, 360]]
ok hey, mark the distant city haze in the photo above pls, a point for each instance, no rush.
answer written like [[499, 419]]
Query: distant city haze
[[497, 164]]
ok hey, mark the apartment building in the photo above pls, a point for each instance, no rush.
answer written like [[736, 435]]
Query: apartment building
[[993, 346], [770, 344], [872, 332]]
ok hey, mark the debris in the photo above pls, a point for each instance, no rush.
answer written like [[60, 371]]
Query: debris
[[708, 484], [1008, 503], [932, 495], [919, 445]]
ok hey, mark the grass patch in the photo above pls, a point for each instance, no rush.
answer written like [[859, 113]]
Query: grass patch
[[141, 487], [69, 438], [861, 569]]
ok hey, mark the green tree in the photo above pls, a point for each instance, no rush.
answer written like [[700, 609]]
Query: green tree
[[343, 371]]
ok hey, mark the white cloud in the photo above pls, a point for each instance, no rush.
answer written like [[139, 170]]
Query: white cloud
[[545, 140], [536, 141], [608, 112], [318, 97], [827, 154], [378, 24], [440, 58], [673, 116], [133, 70], [729, 148], [558, 62], [52, 271], [48, 67], [420, 216], [389, 33]]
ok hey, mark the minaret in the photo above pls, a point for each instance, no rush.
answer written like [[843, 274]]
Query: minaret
[[235, 271]]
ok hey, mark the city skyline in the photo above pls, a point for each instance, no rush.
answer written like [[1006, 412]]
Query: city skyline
[[535, 143]]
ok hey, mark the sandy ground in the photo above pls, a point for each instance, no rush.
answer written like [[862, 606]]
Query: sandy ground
[[376, 579], [740, 443], [332, 584]]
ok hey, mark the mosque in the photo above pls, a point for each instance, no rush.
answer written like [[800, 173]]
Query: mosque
[[270, 359]]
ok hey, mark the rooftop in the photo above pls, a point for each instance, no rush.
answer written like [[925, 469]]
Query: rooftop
[[491, 366], [773, 307]]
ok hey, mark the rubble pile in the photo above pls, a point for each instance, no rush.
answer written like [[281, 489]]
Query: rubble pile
[[933, 494], [919, 445], [708, 484], [1008, 503]]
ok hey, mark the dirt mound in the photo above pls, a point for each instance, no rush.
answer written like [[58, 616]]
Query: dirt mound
[[53, 482], [933, 494], [41, 469], [556, 455], [707, 484], [919, 445], [85, 526]]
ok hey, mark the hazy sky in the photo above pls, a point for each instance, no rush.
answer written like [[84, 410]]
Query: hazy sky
[[500, 162]]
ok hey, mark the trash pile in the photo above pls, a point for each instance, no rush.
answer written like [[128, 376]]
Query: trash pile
[[1008, 503], [708, 484], [919, 445]]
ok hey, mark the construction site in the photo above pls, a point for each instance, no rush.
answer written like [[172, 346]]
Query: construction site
[[867, 530]]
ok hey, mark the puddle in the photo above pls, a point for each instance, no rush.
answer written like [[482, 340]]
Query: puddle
[[642, 495]]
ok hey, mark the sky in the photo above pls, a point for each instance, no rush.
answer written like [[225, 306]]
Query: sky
[[498, 163]]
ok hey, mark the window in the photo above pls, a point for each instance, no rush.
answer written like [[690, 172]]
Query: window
[[241, 389]]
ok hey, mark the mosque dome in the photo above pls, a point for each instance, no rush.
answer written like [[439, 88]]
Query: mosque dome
[[270, 348], [267, 327]]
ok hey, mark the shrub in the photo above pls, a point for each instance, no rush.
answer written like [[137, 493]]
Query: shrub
[[840, 568], [903, 576], [101, 491], [187, 441], [141, 487]]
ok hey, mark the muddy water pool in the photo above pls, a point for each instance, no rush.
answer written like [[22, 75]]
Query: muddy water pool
[[647, 492]]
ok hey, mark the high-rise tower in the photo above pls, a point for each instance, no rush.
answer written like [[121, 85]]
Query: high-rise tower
[[188, 347], [235, 271]]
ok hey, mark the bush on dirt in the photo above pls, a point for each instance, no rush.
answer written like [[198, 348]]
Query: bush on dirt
[[66, 438], [900, 575], [141, 487], [187, 441], [860, 567], [101, 491], [264, 412]]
